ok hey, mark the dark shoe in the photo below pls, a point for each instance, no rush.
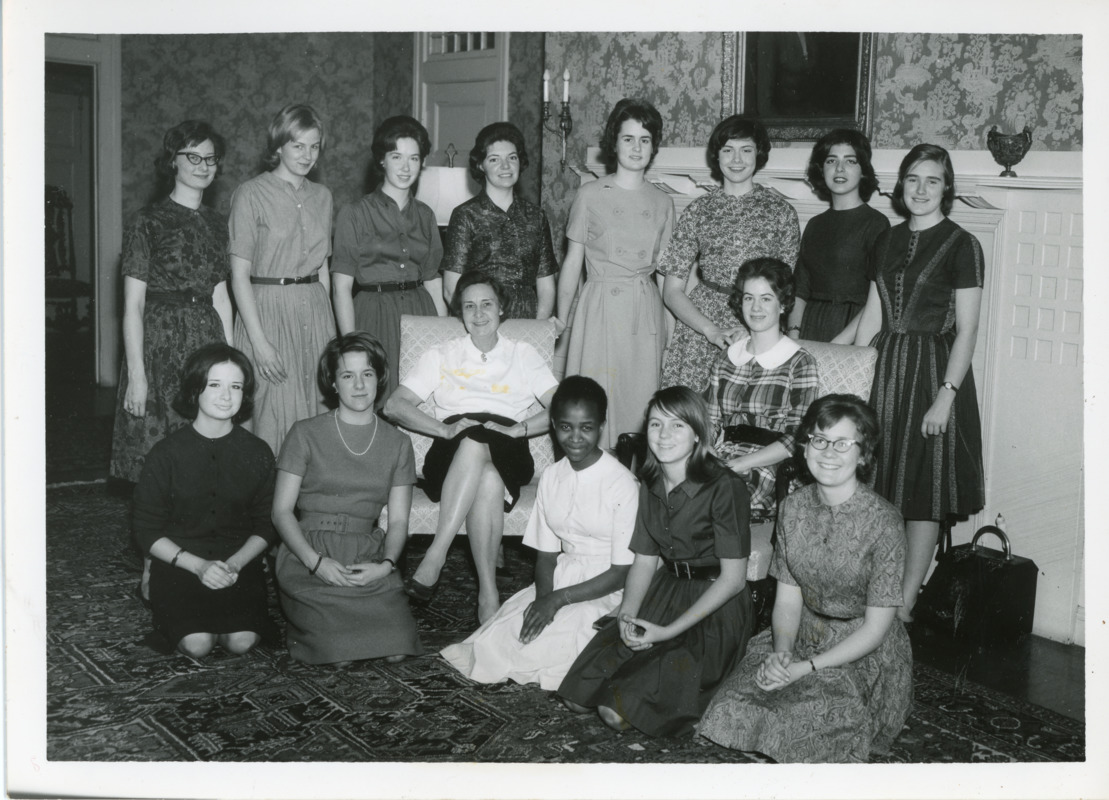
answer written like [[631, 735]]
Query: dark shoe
[[420, 594]]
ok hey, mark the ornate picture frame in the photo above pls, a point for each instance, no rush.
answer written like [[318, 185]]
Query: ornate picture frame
[[737, 73]]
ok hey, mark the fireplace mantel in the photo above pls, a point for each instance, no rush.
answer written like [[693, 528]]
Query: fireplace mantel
[[683, 172]]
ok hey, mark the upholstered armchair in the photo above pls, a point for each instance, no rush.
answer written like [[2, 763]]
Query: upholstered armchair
[[417, 334]]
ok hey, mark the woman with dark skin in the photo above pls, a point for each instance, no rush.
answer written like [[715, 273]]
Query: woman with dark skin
[[581, 524]]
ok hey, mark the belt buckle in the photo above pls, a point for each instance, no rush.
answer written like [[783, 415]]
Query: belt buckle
[[677, 565]]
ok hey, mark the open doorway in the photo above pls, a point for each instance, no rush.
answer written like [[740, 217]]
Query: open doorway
[[70, 233]]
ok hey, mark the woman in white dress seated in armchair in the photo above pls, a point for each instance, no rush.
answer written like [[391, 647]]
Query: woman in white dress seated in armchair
[[480, 388]]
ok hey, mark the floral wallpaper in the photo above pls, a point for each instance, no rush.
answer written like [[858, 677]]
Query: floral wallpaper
[[525, 106], [238, 82], [950, 89], [678, 72], [945, 88]]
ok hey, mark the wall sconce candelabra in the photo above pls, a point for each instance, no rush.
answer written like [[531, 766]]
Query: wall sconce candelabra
[[565, 122]]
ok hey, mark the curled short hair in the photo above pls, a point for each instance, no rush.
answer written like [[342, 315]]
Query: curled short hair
[[738, 127], [356, 342], [385, 140], [857, 142], [691, 408], [579, 389], [830, 409], [641, 111], [190, 133], [925, 152], [194, 378], [490, 135], [289, 123], [776, 273], [475, 278]]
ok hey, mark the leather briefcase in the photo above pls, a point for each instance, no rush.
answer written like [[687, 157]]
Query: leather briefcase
[[980, 595]]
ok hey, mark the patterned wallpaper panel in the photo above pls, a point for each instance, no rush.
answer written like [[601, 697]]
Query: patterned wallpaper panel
[[238, 82], [525, 103], [678, 72], [950, 89]]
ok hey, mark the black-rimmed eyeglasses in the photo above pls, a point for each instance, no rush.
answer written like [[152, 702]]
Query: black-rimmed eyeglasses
[[839, 445], [196, 158]]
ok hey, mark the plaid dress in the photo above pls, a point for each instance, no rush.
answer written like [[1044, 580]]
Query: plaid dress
[[772, 391]]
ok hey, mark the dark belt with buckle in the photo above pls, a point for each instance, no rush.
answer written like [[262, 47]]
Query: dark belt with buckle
[[315, 276], [750, 434], [180, 298], [690, 572], [396, 286]]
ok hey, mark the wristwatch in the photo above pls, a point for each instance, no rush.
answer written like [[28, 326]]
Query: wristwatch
[[949, 385]]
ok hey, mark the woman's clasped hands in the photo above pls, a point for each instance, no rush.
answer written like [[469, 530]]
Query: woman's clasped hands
[[217, 575], [779, 670], [332, 572]]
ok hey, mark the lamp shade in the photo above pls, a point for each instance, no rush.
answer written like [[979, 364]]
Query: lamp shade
[[445, 188]]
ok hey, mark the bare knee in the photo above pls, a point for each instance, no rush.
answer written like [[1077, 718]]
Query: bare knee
[[197, 645], [239, 642]]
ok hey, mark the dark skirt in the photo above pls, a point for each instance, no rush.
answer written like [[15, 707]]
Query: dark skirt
[[379, 313], [181, 605], [511, 457], [926, 478], [824, 320], [664, 690]]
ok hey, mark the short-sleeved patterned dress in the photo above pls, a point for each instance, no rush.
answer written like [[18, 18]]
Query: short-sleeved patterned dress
[[917, 276], [513, 246], [619, 327], [587, 517], [769, 392], [285, 232], [181, 255], [341, 496], [721, 233], [831, 277], [388, 251], [664, 689], [844, 558]]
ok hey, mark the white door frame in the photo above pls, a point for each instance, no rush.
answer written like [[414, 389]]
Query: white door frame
[[102, 53], [422, 50]]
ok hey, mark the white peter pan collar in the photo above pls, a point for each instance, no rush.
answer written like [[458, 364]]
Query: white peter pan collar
[[774, 357]]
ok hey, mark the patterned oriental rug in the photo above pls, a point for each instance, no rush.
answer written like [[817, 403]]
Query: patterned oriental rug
[[110, 698]]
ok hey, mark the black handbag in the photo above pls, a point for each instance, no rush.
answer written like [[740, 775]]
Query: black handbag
[[979, 594]]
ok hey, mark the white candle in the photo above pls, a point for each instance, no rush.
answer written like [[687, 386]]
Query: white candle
[[566, 86], [546, 85]]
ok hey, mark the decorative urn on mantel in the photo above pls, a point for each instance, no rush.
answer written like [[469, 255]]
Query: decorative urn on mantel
[[1009, 148]]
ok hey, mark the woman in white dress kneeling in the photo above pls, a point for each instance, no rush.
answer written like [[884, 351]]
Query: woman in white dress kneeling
[[581, 525]]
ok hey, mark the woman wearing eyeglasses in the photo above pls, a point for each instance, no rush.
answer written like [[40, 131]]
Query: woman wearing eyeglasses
[[280, 229], [831, 681], [175, 297], [174, 293]]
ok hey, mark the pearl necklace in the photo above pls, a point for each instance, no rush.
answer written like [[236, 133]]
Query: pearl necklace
[[344, 441]]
